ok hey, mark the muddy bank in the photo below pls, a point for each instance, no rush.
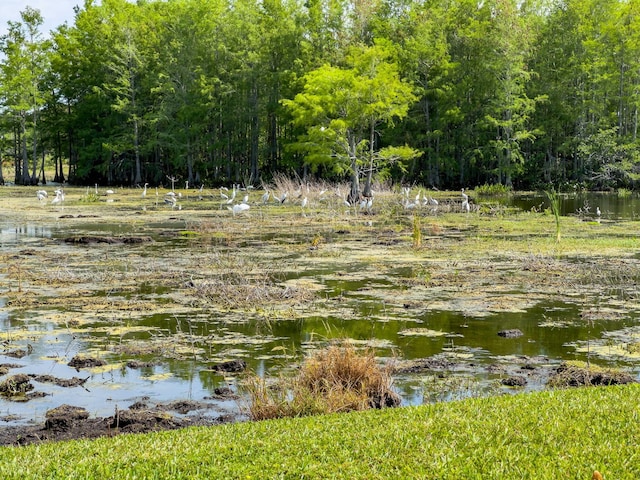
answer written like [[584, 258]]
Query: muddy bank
[[67, 422]]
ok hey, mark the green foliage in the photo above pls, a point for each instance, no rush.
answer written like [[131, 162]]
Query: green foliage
[[546, 435], [494, 189], [498, 92]]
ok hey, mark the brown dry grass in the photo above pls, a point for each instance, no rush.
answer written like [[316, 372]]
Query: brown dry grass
[[335, 379]]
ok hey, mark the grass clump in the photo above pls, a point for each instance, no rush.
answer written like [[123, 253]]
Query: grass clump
[[334, 379], [493, 189]]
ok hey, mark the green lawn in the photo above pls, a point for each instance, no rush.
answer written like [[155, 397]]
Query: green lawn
[[563, 434]]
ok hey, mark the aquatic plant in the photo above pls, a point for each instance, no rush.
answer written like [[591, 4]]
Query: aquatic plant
[[554, 200], [493, 189], [417, 232], [624, 192]]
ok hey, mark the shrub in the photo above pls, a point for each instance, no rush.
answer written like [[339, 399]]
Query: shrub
[[335, 379]]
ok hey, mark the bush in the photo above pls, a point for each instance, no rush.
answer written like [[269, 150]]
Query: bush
[[335, 379]]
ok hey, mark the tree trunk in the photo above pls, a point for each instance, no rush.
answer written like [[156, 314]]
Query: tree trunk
[[25, 158], [367, 185]]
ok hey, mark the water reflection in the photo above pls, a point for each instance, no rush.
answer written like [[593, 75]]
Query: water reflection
[[12, 235], [612, 206]]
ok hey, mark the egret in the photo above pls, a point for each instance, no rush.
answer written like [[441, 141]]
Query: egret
[[239, 208], [465, 206], [265, 197], [233, 195], [245, 199], [59, 198], [281, 199], [465, 197], [144, 192], [42, 195], [598, 213], [304, 202]]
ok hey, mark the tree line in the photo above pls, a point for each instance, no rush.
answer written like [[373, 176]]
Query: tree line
[[445, 93]]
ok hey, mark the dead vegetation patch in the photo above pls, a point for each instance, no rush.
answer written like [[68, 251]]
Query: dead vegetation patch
[[245, 292], [578, 374], [16, 385], [334, 379]]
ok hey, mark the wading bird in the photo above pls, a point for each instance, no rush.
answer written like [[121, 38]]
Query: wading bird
[[239, 208], [144, 192]]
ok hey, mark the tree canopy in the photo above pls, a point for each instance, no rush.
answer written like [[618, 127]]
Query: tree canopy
[[446, 93]]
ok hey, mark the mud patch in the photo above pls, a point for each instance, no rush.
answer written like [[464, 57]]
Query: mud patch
[[61, 382], [68, 422], [580, 375], [78, 362], [89, 239]]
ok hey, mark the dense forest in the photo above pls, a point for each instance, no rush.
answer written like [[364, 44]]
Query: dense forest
[[445, 93]]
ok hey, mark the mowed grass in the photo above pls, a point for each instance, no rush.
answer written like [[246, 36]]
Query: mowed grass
[[561, 434]]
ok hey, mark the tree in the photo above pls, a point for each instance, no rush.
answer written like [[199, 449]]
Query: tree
[[339, 110], [21, 76]]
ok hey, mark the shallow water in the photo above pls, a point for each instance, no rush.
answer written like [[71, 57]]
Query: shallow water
[[373, 308]]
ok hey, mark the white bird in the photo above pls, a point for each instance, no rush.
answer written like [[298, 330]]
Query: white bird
[[144, 192], [465, 206], [42, 195], [281, 199], [304, 202], [170, 200], [265, 197], [245, 199], [464, 195], [239, 208], [233, 195], [59, 198], [598, 213], [110, 192]]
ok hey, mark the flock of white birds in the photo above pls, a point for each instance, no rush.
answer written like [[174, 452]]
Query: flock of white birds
[[230, 198]]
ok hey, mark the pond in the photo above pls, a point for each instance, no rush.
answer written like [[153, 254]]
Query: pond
[[274, 285]]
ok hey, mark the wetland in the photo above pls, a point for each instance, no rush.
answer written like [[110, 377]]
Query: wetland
[[128, 313]]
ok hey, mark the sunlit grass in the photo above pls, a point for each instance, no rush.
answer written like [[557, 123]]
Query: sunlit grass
[[546, 435]]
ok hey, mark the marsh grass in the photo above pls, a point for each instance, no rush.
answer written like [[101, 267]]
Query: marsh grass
[[554, 201], [334, 379]]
